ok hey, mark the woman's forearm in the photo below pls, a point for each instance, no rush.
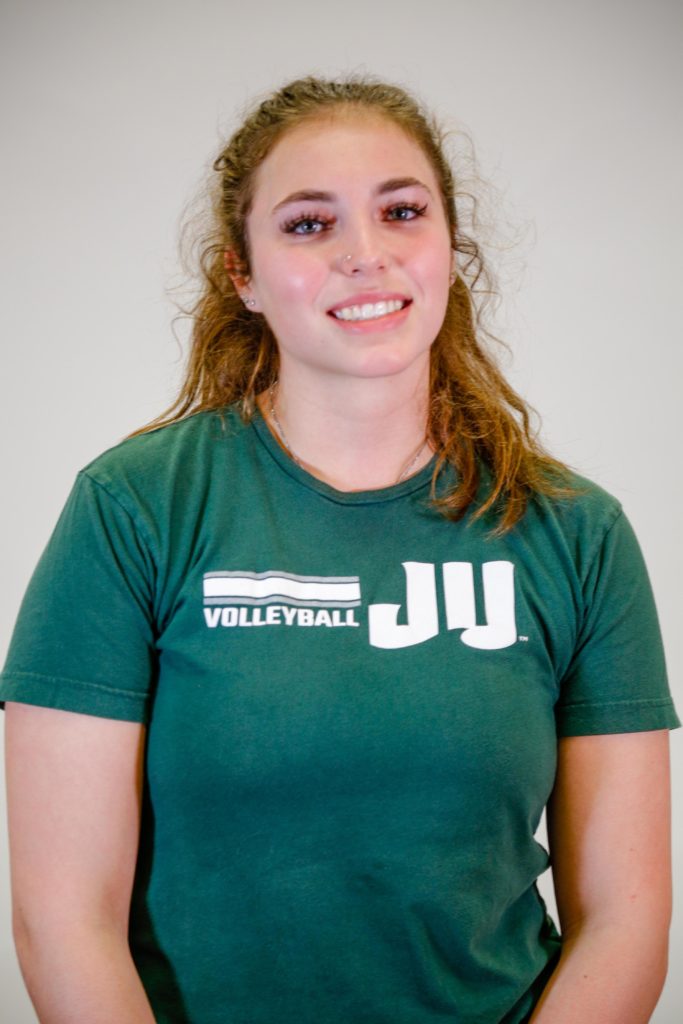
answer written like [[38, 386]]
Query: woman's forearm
[[607, 974], [86, 977]]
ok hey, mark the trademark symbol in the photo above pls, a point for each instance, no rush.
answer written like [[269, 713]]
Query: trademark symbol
[[523, 639]]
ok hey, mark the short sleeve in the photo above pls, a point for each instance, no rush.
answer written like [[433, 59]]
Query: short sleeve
[[85, 639], [616, 681]]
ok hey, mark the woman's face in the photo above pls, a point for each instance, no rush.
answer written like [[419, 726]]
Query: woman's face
[[350, 250]]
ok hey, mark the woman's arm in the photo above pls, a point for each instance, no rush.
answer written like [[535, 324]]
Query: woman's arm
[[74, 788], [609, 833]]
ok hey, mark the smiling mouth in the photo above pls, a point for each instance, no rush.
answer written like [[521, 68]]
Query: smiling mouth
[[370, 310]]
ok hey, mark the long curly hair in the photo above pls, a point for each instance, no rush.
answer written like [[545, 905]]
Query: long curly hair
[[477, 423]]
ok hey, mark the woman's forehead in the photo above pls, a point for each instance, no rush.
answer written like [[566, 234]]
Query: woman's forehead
[[339, 148]]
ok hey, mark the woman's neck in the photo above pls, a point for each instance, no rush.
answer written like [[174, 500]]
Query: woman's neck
[[354, 435]]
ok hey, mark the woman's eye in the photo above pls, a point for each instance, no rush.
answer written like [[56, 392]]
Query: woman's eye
[[312, 225], [405, 211]]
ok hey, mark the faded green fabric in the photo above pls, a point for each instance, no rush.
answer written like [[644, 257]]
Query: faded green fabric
[[353, 708]]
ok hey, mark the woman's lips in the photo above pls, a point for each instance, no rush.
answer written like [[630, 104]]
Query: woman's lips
[[385, 321], [370, 308]]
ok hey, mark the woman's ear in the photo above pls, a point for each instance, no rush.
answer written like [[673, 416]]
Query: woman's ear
[[239, 277]]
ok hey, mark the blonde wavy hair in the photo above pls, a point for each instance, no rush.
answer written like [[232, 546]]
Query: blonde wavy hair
[[477, 423]]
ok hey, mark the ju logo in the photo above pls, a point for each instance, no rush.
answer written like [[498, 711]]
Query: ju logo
[[421, 609]]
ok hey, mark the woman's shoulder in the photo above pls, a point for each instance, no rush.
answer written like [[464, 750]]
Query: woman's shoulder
[[582, 516], [184, 447], [586, 497]]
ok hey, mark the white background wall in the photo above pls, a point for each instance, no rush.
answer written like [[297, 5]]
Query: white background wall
[[112, 112]]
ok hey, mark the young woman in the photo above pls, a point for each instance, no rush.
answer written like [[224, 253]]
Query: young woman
[[303, 664]]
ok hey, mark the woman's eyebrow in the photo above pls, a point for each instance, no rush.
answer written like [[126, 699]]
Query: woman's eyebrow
[[318, 196], [394, 184], [315, 195]]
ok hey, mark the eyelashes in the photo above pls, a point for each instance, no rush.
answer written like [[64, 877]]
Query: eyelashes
[[415, 208], [316, 223], [293, 226]]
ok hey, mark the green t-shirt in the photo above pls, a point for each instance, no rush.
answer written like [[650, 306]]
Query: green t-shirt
[[353, 708]]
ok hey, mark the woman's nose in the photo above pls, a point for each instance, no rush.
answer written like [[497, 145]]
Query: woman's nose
[[354, 264], [360, 252]]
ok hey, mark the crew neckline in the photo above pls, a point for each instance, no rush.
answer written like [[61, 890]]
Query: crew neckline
[[375, 496]]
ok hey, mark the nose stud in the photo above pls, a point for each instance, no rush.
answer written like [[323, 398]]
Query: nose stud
[[356, 264], [346, 263]]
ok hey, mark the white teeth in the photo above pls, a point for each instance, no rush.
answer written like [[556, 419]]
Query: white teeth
[[369, 310]]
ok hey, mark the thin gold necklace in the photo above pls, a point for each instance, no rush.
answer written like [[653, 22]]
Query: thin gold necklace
[[295, 458]]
